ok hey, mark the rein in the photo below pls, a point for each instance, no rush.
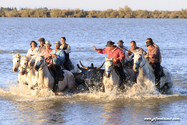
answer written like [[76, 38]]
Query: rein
[[142, 65], [41, 68]]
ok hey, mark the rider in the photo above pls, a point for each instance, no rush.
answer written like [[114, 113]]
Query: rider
[[121, 46], [46, 52], [154, 57], [124, 48], [33, 50], [118, 55], [67, 49], [133, 48], [58, 58], [41, 47]]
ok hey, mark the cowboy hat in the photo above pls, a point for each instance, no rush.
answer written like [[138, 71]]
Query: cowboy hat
[[58, 43], [110, 43], [47, 43]]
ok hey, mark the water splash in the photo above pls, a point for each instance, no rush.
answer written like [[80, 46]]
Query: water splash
[[143, 91]]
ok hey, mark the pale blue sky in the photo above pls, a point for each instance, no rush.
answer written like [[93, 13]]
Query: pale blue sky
[[98, 4]]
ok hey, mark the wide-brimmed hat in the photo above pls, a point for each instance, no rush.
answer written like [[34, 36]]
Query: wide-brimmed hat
[[110, 43], [120, 42], [41, 39], [58, 43], [48, 43]]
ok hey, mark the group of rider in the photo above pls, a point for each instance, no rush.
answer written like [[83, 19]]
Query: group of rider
[[59, 57], [118, 55], [55, 59]]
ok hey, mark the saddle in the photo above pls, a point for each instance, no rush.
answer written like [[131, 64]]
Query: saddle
[[161, 71], [60, 74]]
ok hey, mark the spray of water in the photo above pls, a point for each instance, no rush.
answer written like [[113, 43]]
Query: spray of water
[[137, 91]]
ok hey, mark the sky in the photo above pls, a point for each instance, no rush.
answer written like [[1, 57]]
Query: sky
[[151, 5]]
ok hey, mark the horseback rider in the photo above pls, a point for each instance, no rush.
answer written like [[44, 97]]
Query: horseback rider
[[57, 61], [33, 50], [46, 52], [134, 48], [154, 57], [67, 49], [41, 47], [121, 46], [118, 55], [124, 48]]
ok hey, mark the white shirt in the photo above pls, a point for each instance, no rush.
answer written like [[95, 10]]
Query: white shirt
[[32, 52], [68, 50]]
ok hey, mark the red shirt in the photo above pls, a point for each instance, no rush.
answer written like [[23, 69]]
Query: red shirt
[[115, 53]]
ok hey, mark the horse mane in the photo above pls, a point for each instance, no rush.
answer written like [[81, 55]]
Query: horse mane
[[16, 56], [108, 59], [25, 58]]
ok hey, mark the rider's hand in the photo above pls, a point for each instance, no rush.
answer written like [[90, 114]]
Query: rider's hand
[[115, 60], [94, 48], [146, 56], [53, 55], [29, 55]]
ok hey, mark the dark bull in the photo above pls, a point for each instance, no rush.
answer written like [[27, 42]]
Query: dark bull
[[92, 76]]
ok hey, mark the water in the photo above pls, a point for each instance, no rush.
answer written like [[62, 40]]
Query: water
[[19, 105]]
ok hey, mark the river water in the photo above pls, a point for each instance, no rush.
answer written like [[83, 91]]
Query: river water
[[19, 105]]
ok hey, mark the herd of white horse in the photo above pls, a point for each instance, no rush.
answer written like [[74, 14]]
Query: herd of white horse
[[33, 71]]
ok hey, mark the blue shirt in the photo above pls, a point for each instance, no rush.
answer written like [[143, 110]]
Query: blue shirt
[[60, 57]]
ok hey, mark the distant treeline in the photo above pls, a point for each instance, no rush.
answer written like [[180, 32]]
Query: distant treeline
[[125, 12]]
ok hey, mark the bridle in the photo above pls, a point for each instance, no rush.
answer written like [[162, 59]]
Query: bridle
[[139, 63], [109, 71], [18, 58], [24, 68], [41, 68]]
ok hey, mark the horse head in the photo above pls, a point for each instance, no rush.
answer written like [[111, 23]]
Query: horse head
[[108, 66], [138, 57], [39, 62], [32, 61], [16, 62], [23, 65]]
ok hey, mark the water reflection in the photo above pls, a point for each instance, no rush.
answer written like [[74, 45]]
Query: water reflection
[[42, 112]]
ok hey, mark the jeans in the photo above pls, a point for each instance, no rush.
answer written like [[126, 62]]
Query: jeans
[[119, 70]]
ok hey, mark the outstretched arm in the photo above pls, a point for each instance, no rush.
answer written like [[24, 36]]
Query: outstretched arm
[[102, 51]]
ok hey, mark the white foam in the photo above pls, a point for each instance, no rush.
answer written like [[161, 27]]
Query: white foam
[[138, 92]]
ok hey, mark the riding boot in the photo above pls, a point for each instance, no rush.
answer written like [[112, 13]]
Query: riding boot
[[157, 75], [55, 84], [157, 82]]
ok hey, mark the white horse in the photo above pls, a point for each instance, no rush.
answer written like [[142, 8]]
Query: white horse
[[22, 77], [46, 80], [110, 77], [146, 73], [16, 62], [33, 74], [112, 80]]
